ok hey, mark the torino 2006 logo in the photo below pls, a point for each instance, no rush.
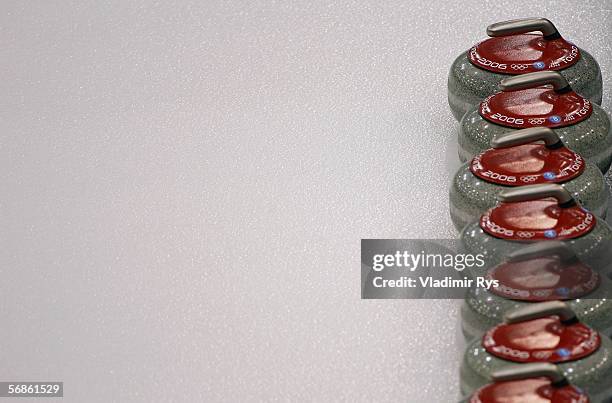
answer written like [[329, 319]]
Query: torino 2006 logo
[[488, 341], [484, 105], [574, 167], [498, 176], [507, 119], [574, 53], [496, 228], [511, 352], [586, 108], [582, 226], [483, 61]]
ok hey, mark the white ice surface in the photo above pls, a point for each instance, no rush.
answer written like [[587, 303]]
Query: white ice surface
[[183, 188]]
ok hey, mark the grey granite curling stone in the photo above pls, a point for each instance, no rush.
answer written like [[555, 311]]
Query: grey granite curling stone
[[511, 50]]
